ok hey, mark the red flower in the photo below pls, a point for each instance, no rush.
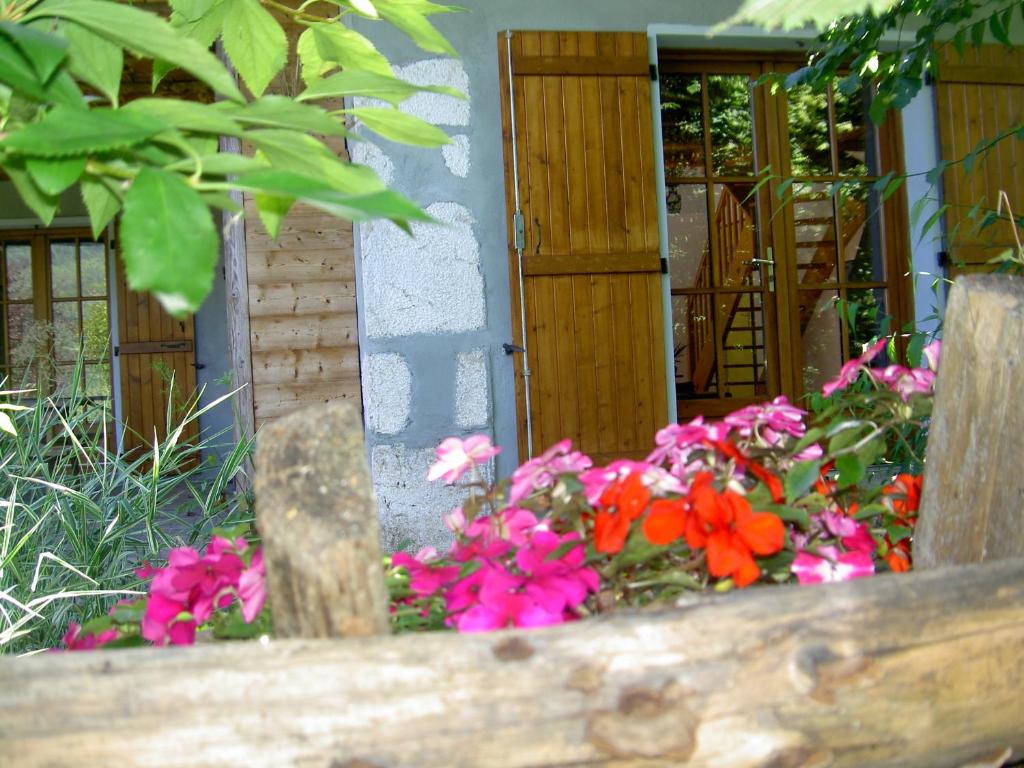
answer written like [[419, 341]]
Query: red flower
[[731, 532], [666, 521], [629, 499], [773, 483]]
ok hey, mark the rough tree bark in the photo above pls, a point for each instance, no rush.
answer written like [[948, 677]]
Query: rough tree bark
[[972, 508], [920, 669], [316, 511]]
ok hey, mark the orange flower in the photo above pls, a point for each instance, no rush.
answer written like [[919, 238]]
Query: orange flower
[[904, 496], [629, 499], [731, 532], [774, 485], [666, 521]]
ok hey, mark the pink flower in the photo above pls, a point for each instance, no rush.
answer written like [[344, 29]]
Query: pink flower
[[560, 584], [596, 481], [678, 440], [252, 587], [770, 421], [496, 602], [905, 381], [931, 354], [455, 457], [167, 619], [829, 565], [851, 369], [425, 579], [74, 640], [541, 471], [853, 535]]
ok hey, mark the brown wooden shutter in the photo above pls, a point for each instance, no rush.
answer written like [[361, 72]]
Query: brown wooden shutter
[[151, 346], [978, 97], [592, 266]]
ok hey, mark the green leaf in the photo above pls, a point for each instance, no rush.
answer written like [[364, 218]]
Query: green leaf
[[221, 164], [54, 175], [94, 60], [400, 127], [169, 242], [348, 49], [932, 221], [851, 470], [800, 478], [917, 342], [784, 185], [144, 34], [187, 115], [995, 24], [255, 43], [43, 205], [201, 21], [282, 112], [788, 514], [65, 131], [378, 205], [959, 41], [410, 17], [45, 52], [100, 202], [18, 74], [636, 550], [934, 175], [978, 33], [272, 210], [305, 155], [313, 64], [355, 83]]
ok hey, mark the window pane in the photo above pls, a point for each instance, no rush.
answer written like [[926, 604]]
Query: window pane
[[855, 134], [821, 336], [742, 317], [732, 149], [19, 272], [688, 236], [63, 270], [682, 125], [863, 241], [866, 310], [97, 380], [808, 133], [67, 333], [95, 329], [694, 341], [736, 235], [27, 337], [64, 380], [94, 269], [815, 230]]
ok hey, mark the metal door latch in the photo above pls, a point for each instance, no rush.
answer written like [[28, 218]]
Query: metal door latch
[[511, 349]]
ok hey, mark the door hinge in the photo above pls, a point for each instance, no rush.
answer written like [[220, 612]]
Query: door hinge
[[519, 231], [943, 258], [654, 73], [117, 351], [664, 266]]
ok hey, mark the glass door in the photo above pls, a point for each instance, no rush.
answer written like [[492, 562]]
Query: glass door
[[721, 284], [774, 282]]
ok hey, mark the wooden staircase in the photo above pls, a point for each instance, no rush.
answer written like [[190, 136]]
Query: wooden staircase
[[738, 318]]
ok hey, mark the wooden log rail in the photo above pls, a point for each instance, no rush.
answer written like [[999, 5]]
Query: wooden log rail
[[922, 669]]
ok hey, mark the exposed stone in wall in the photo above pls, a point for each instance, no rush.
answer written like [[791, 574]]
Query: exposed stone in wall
[[456, 155], [431, 283], [472, 390], [410, 507], [387, 393], [437, 108], [368, 153]]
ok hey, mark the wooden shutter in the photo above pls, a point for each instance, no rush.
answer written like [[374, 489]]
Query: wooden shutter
[[592, 266], [978, 97], [151, 346]]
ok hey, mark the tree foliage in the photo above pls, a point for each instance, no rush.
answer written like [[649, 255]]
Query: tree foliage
[[158, 161]]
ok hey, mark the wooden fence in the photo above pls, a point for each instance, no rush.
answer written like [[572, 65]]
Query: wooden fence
[[920, 669]]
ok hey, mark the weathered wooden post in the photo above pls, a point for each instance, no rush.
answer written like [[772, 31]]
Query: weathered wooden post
[[973, 504], [317, 514]]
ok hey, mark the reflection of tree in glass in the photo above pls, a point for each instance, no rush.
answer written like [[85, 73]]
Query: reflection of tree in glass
[[732, 152], [682, 125], [808, 133]]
